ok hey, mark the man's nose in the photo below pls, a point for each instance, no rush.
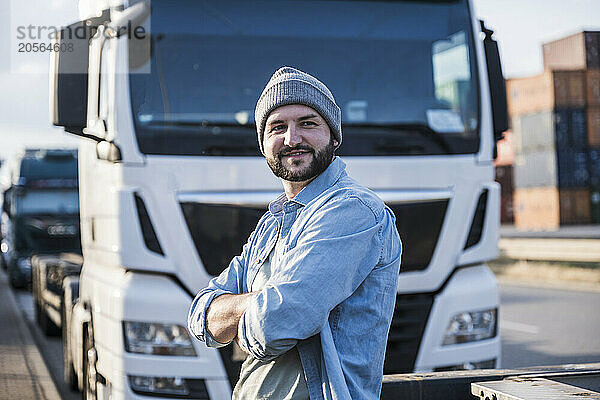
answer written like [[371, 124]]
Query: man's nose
[[292, 137]]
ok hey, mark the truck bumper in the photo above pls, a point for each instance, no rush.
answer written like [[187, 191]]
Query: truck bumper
[[470, 289]]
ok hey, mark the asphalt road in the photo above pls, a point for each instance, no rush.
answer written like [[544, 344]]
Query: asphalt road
[[50, 347], [548, 326], [538, 327]]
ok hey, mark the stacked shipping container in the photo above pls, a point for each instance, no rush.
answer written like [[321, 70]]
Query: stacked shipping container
[[556, 122], [504, 176]]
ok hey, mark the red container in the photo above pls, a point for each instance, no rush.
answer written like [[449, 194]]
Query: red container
[[578, 51], [504, 176], [593, 125], [593, 87], [575, 206], [506, 208]]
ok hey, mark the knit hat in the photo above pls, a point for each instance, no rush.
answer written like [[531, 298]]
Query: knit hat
[[291, 86]]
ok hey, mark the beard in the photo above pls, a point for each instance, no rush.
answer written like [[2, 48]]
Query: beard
[[320, 161]]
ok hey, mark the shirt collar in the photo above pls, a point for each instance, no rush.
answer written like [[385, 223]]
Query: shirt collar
[[322, 182], [317, 186]]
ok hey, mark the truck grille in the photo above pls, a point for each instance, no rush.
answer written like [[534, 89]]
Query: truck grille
[[220, 230], [408, 324], [419, 225]]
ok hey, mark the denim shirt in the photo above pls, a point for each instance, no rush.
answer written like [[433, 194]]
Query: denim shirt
[[331, 293]]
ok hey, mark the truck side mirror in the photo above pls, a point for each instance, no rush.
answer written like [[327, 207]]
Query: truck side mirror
[[69, 77], [497, 84], [69, 64], [6, 201]]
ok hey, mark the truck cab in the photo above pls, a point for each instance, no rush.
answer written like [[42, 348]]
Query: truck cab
[[40, 209], [172, 181]]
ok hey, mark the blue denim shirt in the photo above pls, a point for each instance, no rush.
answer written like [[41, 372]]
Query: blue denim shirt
[[331, 293]]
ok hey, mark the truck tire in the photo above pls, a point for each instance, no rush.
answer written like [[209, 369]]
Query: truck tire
[[69, 375], [47, 326], [15, 281], [36, 300], [89, 365]]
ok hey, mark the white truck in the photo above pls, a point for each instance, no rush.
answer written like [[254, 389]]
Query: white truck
[[172, 181]]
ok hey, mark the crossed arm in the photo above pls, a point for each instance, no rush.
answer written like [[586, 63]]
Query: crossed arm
[[326, 266], [224, 313]]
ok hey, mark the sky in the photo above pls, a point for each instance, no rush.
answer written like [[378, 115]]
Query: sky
[[520, 26]]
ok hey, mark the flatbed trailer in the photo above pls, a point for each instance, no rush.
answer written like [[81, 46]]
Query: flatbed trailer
[[569, 381]]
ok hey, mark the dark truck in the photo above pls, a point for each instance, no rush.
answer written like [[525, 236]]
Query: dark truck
[[40, 210]]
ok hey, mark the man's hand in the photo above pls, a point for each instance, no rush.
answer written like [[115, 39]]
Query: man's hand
[[224, 314]]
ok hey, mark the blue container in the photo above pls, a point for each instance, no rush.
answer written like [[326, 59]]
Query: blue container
[[573, 168], [578, 127], [570, 129], [594, 167], [561, 128]]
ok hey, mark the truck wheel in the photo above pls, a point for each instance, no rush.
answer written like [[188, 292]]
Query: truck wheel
[[68, 369], [36, 299], [89, 367], [47, 326], [15, 282]]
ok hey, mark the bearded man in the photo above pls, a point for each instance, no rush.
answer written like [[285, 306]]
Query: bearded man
[[311, 297]]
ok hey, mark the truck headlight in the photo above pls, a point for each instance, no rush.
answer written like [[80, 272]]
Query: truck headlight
[[158, 385], [471, 326], [157, 339]]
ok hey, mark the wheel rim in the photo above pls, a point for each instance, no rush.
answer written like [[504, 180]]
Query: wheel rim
[[91, 374]]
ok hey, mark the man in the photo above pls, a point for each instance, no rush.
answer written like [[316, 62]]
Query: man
[[311, 297]]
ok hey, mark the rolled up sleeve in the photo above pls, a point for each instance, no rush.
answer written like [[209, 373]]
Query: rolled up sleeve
[[230, 281], [340, 245]]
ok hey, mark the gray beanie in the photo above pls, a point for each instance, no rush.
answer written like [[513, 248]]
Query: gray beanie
[[291, 86]]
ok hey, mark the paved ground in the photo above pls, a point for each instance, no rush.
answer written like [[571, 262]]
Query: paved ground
[[541, 326], [50, 347], [23, 373]]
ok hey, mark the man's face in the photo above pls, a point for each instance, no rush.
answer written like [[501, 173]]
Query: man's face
[[298, 143]]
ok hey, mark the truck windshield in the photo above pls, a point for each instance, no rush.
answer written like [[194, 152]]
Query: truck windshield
[[403, 73], [47, 202]]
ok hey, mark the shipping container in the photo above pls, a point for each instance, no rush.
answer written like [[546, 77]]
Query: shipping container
[[574, 206], [505, 150], [594, 166], [535, 131], [573, 169], [535, 169], [536, 208], [506, 208], [595, 204], [570, 128], [593, 87], [548, 91], [593, 125], [569, 88], [504, 176], [530, 95], [575, 52]]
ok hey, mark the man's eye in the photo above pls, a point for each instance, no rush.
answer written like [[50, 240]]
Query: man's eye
[[308, 123], [277, 128]]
